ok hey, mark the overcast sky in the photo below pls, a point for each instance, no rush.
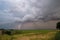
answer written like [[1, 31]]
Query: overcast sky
[[17, 10], [22, 10]]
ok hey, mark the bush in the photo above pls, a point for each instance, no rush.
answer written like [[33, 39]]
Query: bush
[[58, 25], [8, 33], [57, 36]]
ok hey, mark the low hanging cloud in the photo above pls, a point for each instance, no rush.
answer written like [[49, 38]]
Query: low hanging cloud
[[23, 10]]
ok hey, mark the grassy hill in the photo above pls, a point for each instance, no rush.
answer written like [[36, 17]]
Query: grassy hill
[[32, 35]]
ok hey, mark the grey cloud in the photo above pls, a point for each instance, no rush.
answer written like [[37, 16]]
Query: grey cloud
[[23, 10], [37, 8]]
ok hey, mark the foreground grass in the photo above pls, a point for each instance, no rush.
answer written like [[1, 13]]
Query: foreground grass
[[33, 35]]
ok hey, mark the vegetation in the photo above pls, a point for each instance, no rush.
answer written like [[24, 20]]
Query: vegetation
[[31, 35], [58, 25]]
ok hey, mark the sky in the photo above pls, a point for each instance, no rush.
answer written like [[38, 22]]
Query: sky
[[24, 10]]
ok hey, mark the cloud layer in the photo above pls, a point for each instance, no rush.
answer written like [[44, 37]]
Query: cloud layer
[[22, 10]]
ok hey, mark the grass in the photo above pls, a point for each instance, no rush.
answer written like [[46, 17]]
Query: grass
[[35, 31], [33, 35]]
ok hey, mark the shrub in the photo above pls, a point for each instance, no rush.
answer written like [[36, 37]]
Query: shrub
[[58, 25]]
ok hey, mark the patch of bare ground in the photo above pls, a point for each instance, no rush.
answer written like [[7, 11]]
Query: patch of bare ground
[[33, 36]]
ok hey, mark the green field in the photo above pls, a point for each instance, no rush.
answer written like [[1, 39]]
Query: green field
[[32, 35]]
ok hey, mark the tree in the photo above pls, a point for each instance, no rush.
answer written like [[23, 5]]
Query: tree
[[58, 25], [8, 33]]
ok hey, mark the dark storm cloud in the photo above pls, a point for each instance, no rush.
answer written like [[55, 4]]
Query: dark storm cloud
[[50, 9], [24, 10], [31, 9]]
